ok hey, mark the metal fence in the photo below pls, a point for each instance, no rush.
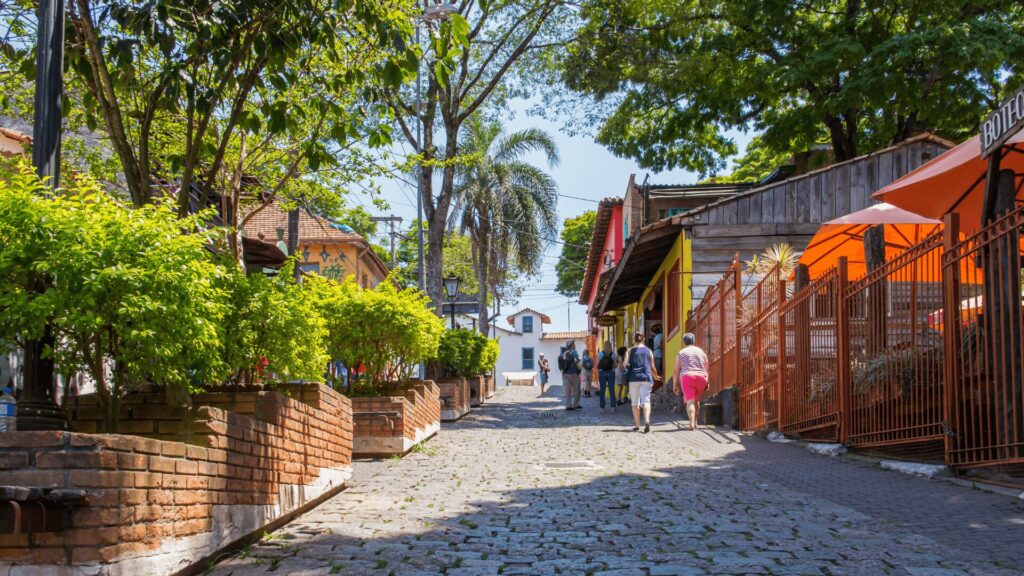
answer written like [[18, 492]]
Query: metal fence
[[923, 355], [895, 353], [984, 347], [811, 381], [761, 349]]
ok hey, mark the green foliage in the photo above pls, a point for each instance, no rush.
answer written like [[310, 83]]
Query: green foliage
[[757, 162], [679, 75], [458, 261], [275, 329], [385, 329], [130, 293], [572, 262], [466, 353]]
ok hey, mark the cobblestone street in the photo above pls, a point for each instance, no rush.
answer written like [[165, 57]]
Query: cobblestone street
[[520, 486]]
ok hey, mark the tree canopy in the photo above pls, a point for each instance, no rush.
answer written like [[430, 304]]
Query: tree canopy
[[572, 262], [855, 74]]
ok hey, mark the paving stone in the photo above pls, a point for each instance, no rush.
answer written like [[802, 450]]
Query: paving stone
[[669, 503]]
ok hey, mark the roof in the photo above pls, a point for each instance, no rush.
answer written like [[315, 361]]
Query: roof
[[694, 216], [544, 318], [641, 258], [16, 135], [575, 335], [705, 190], [605, 208], [312, 229]]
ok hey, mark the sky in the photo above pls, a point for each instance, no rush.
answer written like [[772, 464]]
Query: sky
[[587, 170]]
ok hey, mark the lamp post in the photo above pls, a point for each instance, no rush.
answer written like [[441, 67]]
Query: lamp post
[[451, 290], [37, 409]]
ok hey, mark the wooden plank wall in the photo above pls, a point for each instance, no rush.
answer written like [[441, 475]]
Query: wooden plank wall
[[791, 211]]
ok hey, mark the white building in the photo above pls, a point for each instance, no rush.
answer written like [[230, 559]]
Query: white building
[[522, 346]]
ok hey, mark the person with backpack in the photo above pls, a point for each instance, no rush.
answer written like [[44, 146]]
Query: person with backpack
[[640, 373], [569, 364], [606, 374], [587, 373]]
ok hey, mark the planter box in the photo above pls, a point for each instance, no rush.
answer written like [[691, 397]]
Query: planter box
[[393, 424], [156, 506], [488, 386], [455, 399], [477, 389]]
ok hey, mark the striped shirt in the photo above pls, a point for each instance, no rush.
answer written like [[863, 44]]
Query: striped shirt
[[692, 360]]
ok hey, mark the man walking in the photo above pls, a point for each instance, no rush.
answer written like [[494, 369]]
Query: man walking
[[545, 368], [569, 363]]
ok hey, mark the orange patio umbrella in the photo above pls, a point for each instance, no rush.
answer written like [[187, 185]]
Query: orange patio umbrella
[[844, 236], [953, 182]]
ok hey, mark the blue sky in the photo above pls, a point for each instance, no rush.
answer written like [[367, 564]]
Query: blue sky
[[587, 170]]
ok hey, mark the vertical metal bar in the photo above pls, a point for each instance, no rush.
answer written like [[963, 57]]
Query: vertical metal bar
[[780, 348], [844, 395], [952, 341]]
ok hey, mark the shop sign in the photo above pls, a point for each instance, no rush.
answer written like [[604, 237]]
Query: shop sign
[[1006, 121]]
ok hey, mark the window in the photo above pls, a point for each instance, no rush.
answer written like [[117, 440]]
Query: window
[[528, 325], [310, 268], [527, 358], [673, 297]]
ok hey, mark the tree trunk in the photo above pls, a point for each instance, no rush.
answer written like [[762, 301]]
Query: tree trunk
[[483, 266], [1002, 320], [874, 257]]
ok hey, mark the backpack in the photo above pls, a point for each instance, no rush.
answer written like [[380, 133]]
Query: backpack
[[588, 363], [562, 364], [606, 362]]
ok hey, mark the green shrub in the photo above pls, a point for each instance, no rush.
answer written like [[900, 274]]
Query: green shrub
[[385, 329], [466, 353], [129, 295], [275, 329]]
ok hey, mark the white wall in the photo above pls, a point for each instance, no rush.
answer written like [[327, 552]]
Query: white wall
[[510, 359]]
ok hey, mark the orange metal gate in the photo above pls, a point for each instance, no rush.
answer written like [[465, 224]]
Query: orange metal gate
[[984, 352], [759, 336], [810, 387]]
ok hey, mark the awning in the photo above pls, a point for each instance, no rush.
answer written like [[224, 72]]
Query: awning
[[640, 260], [952, 182], [262, 254], [844, 236]]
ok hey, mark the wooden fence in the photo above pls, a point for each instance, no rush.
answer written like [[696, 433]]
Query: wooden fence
[[921, 356]]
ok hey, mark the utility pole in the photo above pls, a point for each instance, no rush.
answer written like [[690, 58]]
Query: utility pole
[[293, 238], [568, 314], [393, 221], [37, 409]]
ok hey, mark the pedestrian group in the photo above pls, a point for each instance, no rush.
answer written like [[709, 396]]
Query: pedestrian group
[[630, 373]]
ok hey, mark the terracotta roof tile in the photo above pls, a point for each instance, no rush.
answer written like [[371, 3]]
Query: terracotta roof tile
[[574, 335], [311, 228]]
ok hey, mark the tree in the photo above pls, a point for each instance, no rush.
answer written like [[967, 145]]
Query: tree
[[757, 162], [471, 59], [458, 261], [253, 100], [505, 204], [858, 74], [572, 262]]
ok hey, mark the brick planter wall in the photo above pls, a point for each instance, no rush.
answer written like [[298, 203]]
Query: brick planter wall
[[477, 389], [488, 386], [158, 506], [389, 425], [454, 399]]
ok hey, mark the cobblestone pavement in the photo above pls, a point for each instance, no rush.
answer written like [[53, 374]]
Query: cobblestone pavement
[[520, 486]]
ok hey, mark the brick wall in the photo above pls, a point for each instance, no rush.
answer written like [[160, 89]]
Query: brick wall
[[454, 398], [156, 506], [387, 425], [476, 390]]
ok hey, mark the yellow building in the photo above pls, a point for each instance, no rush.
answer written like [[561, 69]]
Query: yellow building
[[325, 248]]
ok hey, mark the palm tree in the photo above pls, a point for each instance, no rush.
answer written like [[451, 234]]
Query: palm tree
[[505, 204]]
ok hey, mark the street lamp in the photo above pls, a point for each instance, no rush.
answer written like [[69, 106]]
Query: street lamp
[[451, 290]]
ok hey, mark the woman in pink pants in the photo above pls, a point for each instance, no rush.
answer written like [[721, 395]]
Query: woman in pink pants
[[692, 376]]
